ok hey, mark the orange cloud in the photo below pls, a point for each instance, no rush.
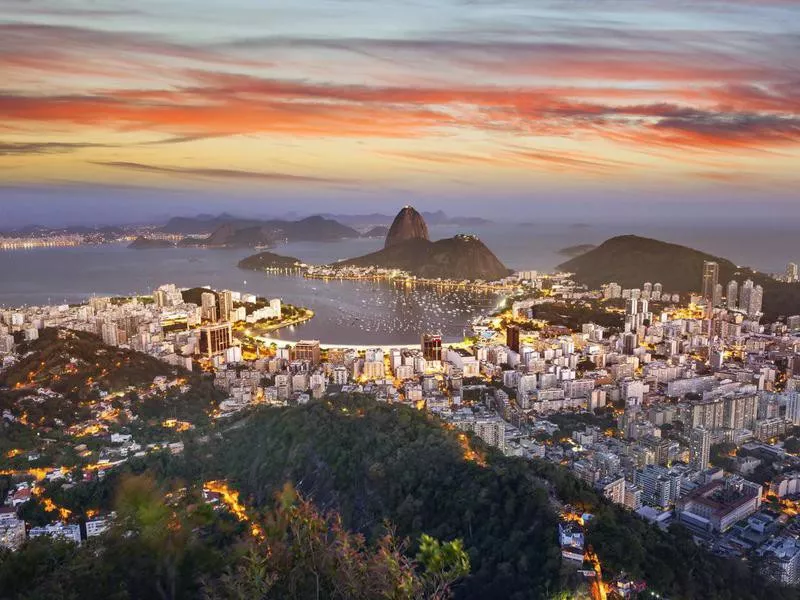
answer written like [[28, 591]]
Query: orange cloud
[[220, 104], [217, 173]]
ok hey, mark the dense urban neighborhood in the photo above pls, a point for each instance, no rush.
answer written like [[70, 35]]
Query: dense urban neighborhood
[[683, 409]]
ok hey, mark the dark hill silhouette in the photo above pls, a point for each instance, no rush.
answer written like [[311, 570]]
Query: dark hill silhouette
[[268, 260], [631, 260], [249, 233], [229, 236], [145, 243], [407, 225], [459, 257], [376, 232]]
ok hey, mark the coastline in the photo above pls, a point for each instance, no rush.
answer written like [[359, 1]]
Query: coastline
[[307, 316], [369, 274]]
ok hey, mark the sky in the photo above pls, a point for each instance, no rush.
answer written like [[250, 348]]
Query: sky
[[116, 111]]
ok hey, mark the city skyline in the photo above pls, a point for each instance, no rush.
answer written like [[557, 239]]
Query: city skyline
[[183, 108], [424, 299]]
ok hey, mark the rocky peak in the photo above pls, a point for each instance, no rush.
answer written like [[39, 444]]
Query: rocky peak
[[407, 225]]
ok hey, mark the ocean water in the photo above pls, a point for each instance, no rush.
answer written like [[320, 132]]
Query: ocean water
[[353, 312]]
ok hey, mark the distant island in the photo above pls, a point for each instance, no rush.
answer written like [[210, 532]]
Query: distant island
[[145, 243], [268, 260], [376, 232], [225, 231], [232, 235], [577, 250], [631, 260]]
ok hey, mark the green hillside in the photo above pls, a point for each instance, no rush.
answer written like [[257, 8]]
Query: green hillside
[[84, 372], [631, 260], [365, 465], [373, 461], [75, 363]]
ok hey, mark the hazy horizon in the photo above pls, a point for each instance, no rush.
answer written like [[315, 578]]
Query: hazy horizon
[[100, 207]]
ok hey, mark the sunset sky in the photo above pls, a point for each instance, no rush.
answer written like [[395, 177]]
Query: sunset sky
[[131, 109]]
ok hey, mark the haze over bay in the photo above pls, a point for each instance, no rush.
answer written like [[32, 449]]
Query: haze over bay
[[346, 312]]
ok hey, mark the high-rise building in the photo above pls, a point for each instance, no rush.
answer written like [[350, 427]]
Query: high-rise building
[[744, 294], [275, 305], [756, 298], [660, 486], [109, 333], [793, 408], [6, 343], [708, 414], [732, 294], [215, 339], [208, 306], [512, 337], [699, 448], [740, 411], [612, 488], [781, 559], [167, 295], [306, 350], [659, 447], [225, 305], [612, 290], [630, 341], [655, 295], [717, 299], [431, 344], [710, 279], [160, 298], [792, 274]]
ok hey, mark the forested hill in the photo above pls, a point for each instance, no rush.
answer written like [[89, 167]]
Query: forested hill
[[268, 260], [372, 462], [81, 374], [74, 362], [631, 260], [367, 465]]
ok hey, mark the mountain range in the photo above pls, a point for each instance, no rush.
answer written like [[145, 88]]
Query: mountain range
[[431, 218], [225, 231]]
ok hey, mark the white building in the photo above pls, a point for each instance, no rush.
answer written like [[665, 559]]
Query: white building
[[65, 531], [784, 563]]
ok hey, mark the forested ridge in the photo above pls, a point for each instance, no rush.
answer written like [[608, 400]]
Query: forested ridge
[[375, 461], [372, 470]]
